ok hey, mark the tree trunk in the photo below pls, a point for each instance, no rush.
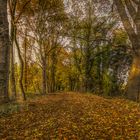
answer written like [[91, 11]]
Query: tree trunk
[[133, 89], [44, 78], [4, 52], [12, 77], [53, 80], [21, 69], [12, 11], [134, 36], [25, 63], [53, 71], [12, 67]]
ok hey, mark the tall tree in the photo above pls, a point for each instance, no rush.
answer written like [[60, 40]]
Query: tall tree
[[4, 51], [12, 9], [129, 11]]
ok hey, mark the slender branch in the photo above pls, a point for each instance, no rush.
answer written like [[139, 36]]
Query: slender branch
[[131, 9], [23, 9]]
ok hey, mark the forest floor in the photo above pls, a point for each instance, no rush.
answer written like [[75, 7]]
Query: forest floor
[[73, 116]]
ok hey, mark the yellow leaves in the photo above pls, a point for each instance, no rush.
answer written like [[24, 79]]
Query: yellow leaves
[[135, 67], [73, 117], [135, 70]]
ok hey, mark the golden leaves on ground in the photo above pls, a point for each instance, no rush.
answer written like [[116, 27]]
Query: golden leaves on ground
[[74, 116]]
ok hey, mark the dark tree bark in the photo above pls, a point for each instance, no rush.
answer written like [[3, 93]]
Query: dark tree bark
[[53, 71], [4, 52], [44, 77], [25, 63], [53, 79]]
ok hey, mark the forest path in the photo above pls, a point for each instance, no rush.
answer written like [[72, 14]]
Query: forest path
[[73, 116]]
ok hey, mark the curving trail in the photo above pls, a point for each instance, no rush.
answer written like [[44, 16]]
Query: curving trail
[[73, 116]]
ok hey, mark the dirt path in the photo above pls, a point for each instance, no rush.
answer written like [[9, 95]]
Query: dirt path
[[73, 116]]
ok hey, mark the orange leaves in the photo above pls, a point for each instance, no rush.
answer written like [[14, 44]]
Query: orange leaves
[[74, 117]]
